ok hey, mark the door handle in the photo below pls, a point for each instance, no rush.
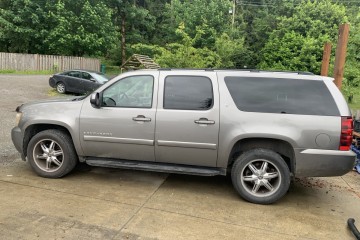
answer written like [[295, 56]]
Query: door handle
[[141, 118], [204, 121]]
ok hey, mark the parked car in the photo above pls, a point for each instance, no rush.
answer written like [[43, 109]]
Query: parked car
[[260, 127], [77, 81]]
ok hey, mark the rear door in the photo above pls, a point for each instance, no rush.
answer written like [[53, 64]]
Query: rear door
[[73, 81], [187, 124]]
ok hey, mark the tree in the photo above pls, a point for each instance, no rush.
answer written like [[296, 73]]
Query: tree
[[66, 27], [79, 28], [297, 42], [195, 13], [134, 21], [23, 26], [351, 82], [185, 55]]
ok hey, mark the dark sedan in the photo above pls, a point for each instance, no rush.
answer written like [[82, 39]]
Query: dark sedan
[[77, 81]]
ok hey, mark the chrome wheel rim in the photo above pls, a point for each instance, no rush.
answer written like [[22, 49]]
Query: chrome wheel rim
[[60, 88], [260, 178], [48, 155]]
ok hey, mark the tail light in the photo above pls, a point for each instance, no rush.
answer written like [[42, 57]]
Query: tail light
[[346, 133]]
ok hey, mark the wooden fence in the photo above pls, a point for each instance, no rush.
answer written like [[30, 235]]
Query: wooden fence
[[36, 62]]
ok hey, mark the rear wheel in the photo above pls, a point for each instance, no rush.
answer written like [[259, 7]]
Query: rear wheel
[[51, 154], [260, 176], [60, 87]]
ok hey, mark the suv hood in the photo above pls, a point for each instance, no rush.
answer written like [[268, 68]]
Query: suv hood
[[47, 101]]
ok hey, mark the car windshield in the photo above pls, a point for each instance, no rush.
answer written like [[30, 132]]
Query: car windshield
[[100, 77]]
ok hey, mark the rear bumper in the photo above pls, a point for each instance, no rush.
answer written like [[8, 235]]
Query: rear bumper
[[323, 163]]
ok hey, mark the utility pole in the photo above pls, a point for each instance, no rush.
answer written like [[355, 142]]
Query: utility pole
[[340, 54], [326, 59]]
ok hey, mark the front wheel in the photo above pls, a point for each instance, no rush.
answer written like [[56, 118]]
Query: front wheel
[[260, 176], [51, 154]]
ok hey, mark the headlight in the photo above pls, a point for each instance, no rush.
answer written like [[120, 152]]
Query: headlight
[[18, 118]]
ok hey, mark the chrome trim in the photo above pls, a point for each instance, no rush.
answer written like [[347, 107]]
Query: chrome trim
[[187, 144], [119, 140], [328, 152]]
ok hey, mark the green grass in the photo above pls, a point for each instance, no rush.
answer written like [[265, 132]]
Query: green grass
[[112, 71], [355, 104], [27, 72], [53, 93]]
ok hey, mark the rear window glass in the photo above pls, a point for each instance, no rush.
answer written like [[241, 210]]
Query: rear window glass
[[188, 93], [278, 95]]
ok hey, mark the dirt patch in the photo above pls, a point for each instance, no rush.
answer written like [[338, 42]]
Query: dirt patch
[[318, 183]]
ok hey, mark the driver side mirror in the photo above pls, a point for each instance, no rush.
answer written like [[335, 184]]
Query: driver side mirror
[[95, 100], [92, 80]]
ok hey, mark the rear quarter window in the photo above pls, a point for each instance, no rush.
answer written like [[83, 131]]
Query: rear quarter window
[[281, 95]]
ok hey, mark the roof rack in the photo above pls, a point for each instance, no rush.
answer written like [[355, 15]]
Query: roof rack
[[243, 70]]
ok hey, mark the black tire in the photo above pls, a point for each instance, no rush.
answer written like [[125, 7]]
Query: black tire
[[60, 87], [260, 176], [52, 161]]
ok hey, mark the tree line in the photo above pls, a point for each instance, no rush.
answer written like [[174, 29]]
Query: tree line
[[265, 34]]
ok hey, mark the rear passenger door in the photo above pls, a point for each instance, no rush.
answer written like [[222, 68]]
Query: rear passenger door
[[73, 81], [187, 124]]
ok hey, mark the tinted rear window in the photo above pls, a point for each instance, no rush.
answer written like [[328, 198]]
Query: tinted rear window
[[278, 95], [188, 93]]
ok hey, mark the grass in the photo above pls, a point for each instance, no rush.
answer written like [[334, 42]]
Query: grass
[[355, 104], [112, 71], [27, 72]]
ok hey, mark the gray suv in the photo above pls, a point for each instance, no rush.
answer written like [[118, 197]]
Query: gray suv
[[260, 127]]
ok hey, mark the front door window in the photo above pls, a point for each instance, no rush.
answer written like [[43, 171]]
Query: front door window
[[130, 92]]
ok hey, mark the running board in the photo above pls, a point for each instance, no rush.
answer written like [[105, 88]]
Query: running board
[[155, 167]]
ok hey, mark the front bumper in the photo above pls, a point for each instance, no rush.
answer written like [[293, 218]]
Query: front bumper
[[323, 163], [17, 139]]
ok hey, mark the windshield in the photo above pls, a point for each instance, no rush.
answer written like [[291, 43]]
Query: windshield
[[100, 78]]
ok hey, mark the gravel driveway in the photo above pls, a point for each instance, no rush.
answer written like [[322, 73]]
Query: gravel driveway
[[16, 90]]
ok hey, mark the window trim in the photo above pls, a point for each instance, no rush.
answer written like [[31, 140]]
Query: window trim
[[212, 93], [152, 95]]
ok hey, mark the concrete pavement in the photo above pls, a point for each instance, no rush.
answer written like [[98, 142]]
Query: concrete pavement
[[122, 204]]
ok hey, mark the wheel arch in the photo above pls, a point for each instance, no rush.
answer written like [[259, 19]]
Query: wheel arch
[[34, 129], [282, 147]]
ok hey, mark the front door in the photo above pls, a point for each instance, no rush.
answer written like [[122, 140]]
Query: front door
[[124, 126], [187, 124]]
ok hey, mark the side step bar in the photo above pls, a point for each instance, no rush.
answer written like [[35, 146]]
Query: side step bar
[[155, 167]]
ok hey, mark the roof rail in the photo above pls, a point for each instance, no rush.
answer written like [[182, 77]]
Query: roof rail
[[175, 69], [282, 71], [244, 70]]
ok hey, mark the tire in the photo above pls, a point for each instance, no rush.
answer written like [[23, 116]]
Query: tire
[[51, 154], [260, 176], [60, 87]]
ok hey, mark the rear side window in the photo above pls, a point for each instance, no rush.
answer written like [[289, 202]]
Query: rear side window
[[188, 93], [277, 95], [74, 74]]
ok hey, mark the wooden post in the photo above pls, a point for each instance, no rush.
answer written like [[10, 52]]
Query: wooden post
[[340, 54], [326, 59]]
